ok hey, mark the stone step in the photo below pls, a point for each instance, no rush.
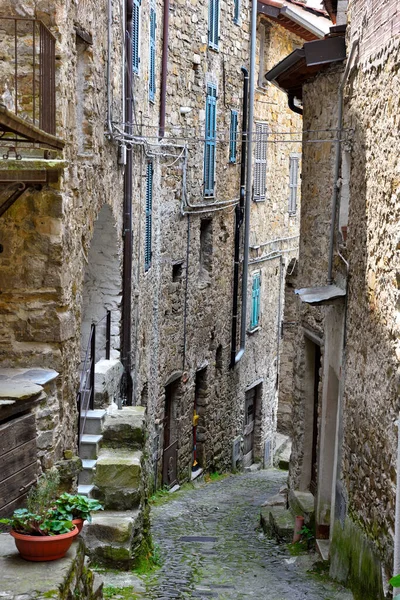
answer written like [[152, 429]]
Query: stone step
[[277, 522], [86, 476], [85, 490], [282, 451], [109, 538], [302, 503], [117, 478], [124, 428], [323, 547], [94, 421], [89, 446]]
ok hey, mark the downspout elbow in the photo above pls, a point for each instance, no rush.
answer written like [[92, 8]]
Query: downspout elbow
[[294, 106]]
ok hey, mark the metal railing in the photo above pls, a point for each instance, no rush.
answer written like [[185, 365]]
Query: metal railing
[[27, 71], [85, 395]]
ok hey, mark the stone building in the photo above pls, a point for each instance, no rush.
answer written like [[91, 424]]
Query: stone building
[[186, 187], [345, 389]]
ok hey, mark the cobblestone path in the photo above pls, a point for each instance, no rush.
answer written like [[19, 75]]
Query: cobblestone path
[[211, 547]]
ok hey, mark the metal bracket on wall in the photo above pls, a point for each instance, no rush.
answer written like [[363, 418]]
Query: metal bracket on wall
[[12, 193]]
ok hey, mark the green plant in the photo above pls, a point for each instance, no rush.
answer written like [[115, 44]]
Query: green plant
[[38, 518], [395, 582], [69, 507]]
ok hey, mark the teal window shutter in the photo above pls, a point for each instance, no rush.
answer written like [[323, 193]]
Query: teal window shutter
[[255, 301], [260, 162], [213, 24], [236, 14], [233, 137], [135, 35], [152, 61], [210, 140], [149, 208]]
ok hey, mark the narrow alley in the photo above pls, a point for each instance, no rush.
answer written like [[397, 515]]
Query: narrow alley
[[210, 546]]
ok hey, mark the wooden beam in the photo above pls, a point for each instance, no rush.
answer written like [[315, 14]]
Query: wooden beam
[[9, 122]]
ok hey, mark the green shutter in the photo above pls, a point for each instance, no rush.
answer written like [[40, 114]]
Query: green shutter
[[236, 14], [293, 182], [152, 58], [260, 162], [213, 24], [233, 137], [255, 301], [149, 208], [135, 35], [210, 140]]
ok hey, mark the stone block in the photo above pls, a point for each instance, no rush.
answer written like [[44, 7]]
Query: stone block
[[124, 428], [119, 469], [303, 503], [277, 522]]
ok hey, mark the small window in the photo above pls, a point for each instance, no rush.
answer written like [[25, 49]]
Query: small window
[[205, 248], [293, 182], [177, 270], [260, 162], [135, 35], [233, 137], [210, 140], [149, 209], [236, 12], [152, 57], [213, 24], [255, 301]]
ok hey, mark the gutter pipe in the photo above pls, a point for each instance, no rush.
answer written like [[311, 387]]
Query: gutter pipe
[[338, 162], [109, 44], [293, 106], [249, 180], [126, 383], [239, 209], [164, 69]]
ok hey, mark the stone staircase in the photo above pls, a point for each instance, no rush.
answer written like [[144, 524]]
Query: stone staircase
[[111, 453]]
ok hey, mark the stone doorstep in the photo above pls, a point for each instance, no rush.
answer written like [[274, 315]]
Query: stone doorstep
[[124, 428], [302, 503], [278, 522]]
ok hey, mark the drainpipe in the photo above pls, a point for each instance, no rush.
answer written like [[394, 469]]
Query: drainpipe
[[396, 562], [293, 106], [338, 161], [109, 45], [249, 180], [239, 208], [164, 69], [127, 222]]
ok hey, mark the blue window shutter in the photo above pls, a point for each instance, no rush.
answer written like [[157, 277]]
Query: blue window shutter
[[255, 304], [260, 162], [149, 208], [210, 140], [236, 14], [293, 182], [135, 36], [233, 137], [213, 24], [152, 58]]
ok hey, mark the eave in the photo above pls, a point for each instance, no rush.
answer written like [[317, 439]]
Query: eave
[[306, 23]]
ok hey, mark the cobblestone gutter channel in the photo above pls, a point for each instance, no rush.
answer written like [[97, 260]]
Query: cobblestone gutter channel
[[211, 547]]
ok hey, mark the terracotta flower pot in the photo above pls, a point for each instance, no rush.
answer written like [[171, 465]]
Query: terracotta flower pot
[[78, 523], [43, 547]]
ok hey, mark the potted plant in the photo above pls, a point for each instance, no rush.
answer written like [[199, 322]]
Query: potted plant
[[75, 508], [38, 533]]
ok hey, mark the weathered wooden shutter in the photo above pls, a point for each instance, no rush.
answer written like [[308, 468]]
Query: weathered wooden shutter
[[149, 208], [233, 137], [255, 304], [210, 140], [293, 182], [260, 161], [135, 35], [152, 61], [213, 24]]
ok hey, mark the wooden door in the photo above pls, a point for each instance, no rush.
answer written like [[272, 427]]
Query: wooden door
[[248, 433]]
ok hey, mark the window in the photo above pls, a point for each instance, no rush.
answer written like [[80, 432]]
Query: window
[[149, 207], [135, 35], [255, 301], [206, 248], [236, 13], [260, 161], [233, 136], [152, 58], [210, 138], [213, 24], [293, 182]]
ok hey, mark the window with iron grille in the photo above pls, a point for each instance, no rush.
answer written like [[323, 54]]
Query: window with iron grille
[[255, 301], [260, 161], [135, 35], [294, 160], [210, 140], [213, 24], [236, 12], [233, 136], [149, 208], [152, 58]]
